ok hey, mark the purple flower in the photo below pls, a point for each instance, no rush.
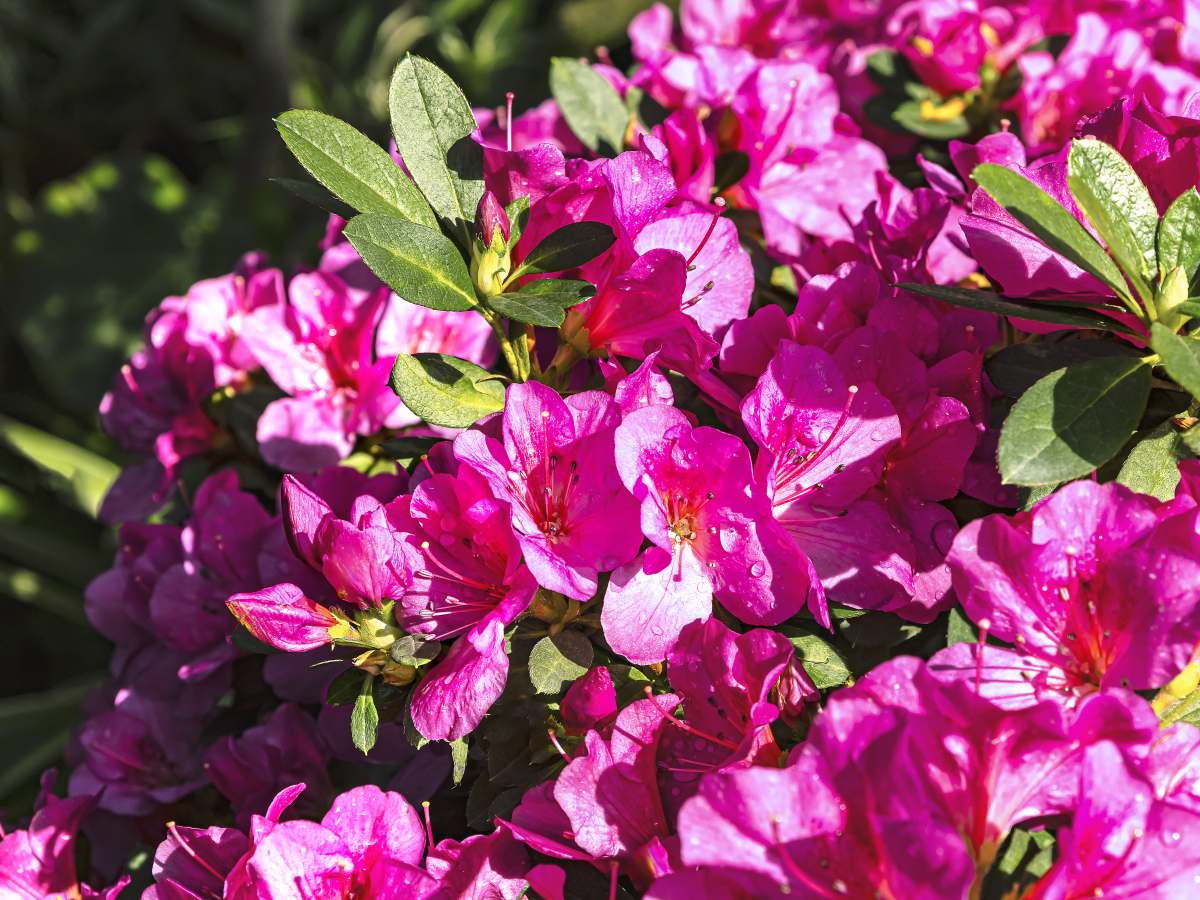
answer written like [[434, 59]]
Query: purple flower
[[714, 538], [471, 582], [1088, 582], [572, 515], [285, 750]]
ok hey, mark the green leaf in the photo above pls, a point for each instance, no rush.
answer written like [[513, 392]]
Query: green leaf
[[1179, 236], [995, 303], [566, 248], [523, 307], [446, 390], [1180, 355], [344, 689], [823, 664], [518, 219], [409, 446], [353, 166], [418, 263], [592, 108], [1018, 367], [960, 629], [459, 749], [1153, 465], [566, 292], [1119, 207], [414, 650], [730, 168], [243, 640], [318, 196], [1073, 421], [1050, 222], [557, 660], [432, 124], [908, 116], [364, 721], [1029, 497], [1189, 308]]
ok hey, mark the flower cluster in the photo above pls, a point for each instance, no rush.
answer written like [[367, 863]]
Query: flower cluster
[[775, 558]]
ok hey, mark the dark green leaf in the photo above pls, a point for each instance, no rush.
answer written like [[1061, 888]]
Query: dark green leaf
[[558, 660], [890, 70], [568, 247], [345, 689], [459, 749], [960, 629], [1153, 465], [364, 721], [592, 108], [909, 116], [245, 641], [1189, 308], [995, 303], [1051, 222], [566, 292], [524, 307], [1119, 207], [1073, 421], [518, 219], [432, 123], [630, 683], [1180, 355], [823, 664], [353, 166], [415, 738], [418, 263], [446, 390], [318, 196], [1179, 236], [730, 168], [414, 650], [1029, 497], [1018, 367]]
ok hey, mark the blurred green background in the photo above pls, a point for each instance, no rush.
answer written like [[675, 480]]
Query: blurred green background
[[136, 145]]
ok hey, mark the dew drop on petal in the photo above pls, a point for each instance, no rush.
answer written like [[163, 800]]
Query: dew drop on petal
[[943, 536], [758, 570]]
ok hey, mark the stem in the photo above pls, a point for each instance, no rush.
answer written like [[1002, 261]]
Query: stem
[[506, 347]]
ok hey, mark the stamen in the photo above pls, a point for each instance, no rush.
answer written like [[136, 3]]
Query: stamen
[[686, 727], [190, 852], [425, 807], [790, 864], [720, 201], [840, 515], [508, 119], [557, 745], [984, 626], [801, 463], [425, 460], [603, 57], [613, 865]]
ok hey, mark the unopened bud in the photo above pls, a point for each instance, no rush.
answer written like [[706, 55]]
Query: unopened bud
[[1172, 292], [549, 606], [489, 216]]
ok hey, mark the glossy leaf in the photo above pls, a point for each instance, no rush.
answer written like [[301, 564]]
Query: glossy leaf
[[446, 390], [418, 263], [960, 629], [518, 219], [1050, 222], [1153, 465], [566, 292], [557, 660], [1180, 356], [1018, 367], [995, 303], [531, 308], [823, 664], [364, 720], [353, 166], [566, 248], [1179, 235], [432, 124], [318, 195], [1119, 207], [1073, 421], [458, 750], [344, 689], [591, 106]]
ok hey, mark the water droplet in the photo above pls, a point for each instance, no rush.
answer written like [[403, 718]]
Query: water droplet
[[445, 539], [1001, 496], [758, 570], [731, 539], [825, 433], [877, 436], [656, 631], [943, 536]]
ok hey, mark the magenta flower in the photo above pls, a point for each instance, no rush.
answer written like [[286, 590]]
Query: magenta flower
[[1123, 841], [714, 537], [590, 703], [471, 583], [489, 866], [572, 515], [286, 749], [39, 862], [1089, 582]]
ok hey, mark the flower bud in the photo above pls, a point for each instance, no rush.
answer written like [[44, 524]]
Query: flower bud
[[489, 216], [1172, 292], [286, 619]]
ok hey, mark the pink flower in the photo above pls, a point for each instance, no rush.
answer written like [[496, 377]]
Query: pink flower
[[572, 515], [1092, 582], [714, 537]]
